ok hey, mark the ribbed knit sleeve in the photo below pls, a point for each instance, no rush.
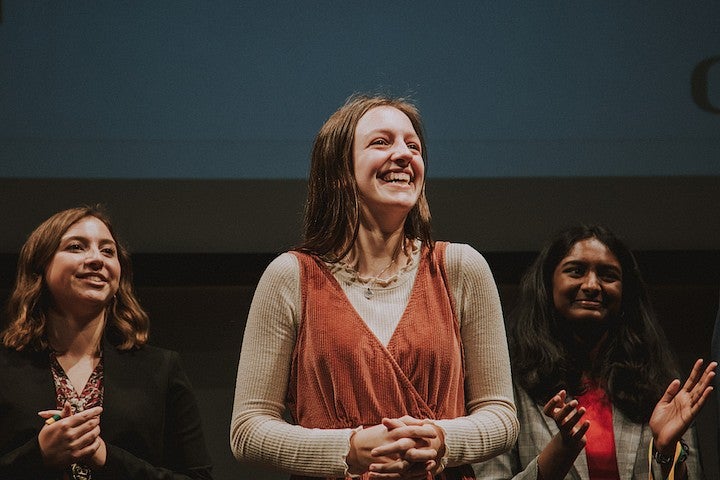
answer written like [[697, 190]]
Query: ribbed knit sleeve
[[491, 426], [258, 432]]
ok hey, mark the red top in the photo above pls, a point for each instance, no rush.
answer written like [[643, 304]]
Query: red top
[[600, 448]]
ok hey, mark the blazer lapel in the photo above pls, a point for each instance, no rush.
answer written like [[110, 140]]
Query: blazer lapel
[[628, 436]]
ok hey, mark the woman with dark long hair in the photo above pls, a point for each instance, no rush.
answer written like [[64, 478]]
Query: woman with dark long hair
[[594, 377], [387, 349], [83, 395]]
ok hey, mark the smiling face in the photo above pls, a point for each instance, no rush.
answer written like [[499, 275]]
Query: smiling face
[[84, 272], [387, 160], [587, 283]]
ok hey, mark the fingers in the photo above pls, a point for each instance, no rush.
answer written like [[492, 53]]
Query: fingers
[[425, 432], [392, 423], [698, 386], [398, 447], [670, 391], [71, 438], [400, 469], [408, 420], [568, 423], [555, 402], [420, 455], [579, 434], [85, 442], [702, 389]]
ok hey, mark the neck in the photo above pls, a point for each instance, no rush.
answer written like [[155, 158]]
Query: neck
[[589, 338], [378, 253], [75, 337]]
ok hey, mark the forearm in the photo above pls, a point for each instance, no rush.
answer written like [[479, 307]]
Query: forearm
[[258, 432], [557, 458], [491, 426], [489, 431], [259, 438]]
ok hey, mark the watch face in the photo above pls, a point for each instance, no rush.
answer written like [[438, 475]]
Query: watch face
[[661, 459]]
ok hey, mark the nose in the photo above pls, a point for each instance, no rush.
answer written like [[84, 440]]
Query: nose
[[591, 283], [93, 258], [401, 154]]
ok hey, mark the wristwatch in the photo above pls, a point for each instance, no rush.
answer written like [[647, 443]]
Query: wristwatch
[[667, 459]]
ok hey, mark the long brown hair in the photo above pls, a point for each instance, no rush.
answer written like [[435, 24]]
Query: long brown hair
[[332, 210], [126, 321]]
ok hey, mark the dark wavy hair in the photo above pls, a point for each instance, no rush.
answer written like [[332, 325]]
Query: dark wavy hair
[[634, 364], [332, 210], [126, 321]]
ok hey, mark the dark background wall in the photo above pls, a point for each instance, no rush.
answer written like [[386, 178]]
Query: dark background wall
[[192, 122]]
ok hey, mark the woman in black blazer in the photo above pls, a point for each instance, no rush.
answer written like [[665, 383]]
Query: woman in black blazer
[[81, 393]]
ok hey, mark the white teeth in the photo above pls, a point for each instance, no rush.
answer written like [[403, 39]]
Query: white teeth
[[95, 278], [396, 177]]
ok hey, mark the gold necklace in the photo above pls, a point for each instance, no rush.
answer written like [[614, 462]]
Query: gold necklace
[[369, 293]]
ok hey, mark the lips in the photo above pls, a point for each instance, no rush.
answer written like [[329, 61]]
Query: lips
[[589, 303], [397, 177], [94, 277]]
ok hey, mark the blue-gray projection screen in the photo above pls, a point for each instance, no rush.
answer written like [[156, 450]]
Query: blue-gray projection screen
[[237, 90]]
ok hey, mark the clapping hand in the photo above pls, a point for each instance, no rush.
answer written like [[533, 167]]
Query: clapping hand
[[567, 416], [72, 438], [678, 407], [558, 456]]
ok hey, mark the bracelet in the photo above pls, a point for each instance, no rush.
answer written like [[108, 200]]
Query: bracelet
[[667, 459]]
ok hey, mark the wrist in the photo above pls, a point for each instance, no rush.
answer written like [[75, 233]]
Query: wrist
[[352, 458], [668, 455]]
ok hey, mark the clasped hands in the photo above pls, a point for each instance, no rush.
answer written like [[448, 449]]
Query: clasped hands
[[399, 448], [74, 438]]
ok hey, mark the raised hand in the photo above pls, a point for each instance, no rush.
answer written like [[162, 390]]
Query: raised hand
[[678, 407], [70, 439], [558, 456], [567, 415]]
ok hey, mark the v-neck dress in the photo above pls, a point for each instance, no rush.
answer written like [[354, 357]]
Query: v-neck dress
[[445, 359]]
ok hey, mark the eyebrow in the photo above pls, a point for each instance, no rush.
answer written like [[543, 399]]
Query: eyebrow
[[582, 262], [387, 131], [85, 239]]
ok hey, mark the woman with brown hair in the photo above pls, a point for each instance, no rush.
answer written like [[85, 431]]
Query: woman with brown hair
[[387, 349], [83, 394]]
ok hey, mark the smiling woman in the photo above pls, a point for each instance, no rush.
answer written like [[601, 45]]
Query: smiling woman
[[84, 274], [593, 373], [76, 354], [587, 283], [387, 348]]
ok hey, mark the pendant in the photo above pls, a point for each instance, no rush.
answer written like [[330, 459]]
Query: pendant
[[369, 293]]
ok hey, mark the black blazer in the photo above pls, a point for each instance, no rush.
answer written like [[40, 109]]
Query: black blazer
[[150, 421]]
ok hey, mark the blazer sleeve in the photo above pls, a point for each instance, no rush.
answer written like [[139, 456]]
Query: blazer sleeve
[[185, 451], [24, 462], [25, 388]]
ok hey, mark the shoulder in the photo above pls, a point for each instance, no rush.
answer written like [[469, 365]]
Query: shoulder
[[461, 260], [9, 357], [285, 268], [146, 355]]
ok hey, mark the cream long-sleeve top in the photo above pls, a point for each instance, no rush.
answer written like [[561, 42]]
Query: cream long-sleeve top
[[260, 434]]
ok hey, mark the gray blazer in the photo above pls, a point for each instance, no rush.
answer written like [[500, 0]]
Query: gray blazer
[[536, 430]]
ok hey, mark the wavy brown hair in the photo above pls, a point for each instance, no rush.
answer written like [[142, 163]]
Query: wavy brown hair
[[332, 210], [126, 322]]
